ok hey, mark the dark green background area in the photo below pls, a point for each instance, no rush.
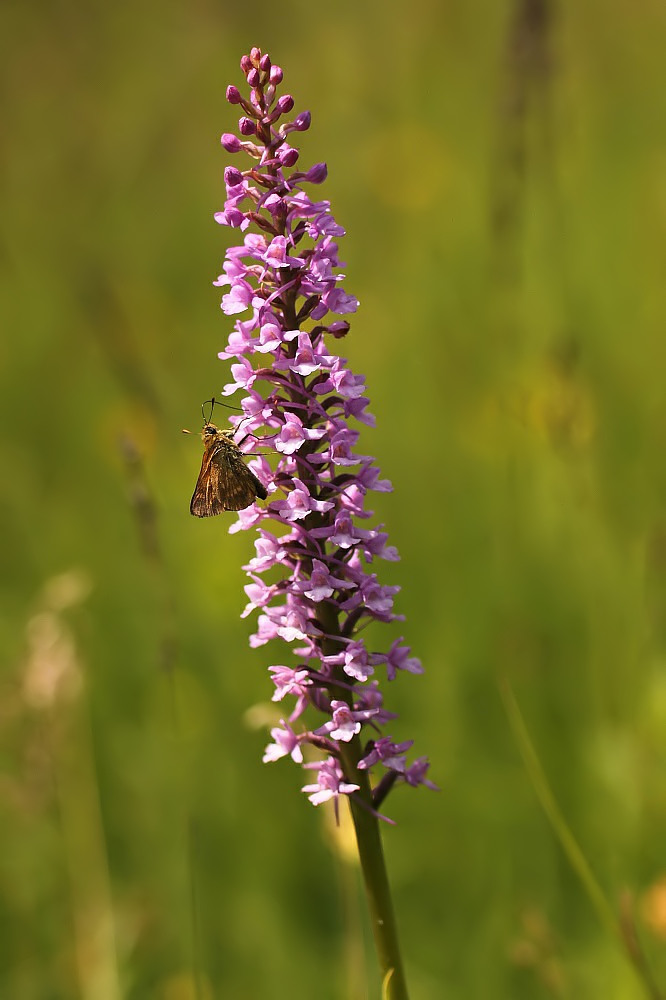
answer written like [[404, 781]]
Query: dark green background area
[[500, 169]]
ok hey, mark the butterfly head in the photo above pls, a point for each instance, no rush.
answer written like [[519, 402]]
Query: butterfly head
[[209, 432]]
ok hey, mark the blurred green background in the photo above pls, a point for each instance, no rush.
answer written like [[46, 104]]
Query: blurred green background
[[501, 172]]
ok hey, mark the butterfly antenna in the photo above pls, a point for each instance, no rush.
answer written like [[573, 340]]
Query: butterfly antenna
[[213, 403]]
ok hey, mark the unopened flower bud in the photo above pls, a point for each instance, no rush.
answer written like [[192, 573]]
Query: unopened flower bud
[[285, 104], [317, 174], [232, 176], [302, 122], [246, 126], [231, 142], [287, 156]]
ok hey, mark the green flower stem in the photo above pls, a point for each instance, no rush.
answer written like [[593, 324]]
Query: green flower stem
[[369, 842], [375, 877]]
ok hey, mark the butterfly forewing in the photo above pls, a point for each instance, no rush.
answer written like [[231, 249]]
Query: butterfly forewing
[[225, 482]]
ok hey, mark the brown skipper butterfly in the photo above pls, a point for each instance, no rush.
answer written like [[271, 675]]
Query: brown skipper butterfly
[[225, 482]]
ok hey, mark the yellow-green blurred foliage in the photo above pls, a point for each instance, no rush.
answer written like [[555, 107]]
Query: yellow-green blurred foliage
[[500, 168]]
